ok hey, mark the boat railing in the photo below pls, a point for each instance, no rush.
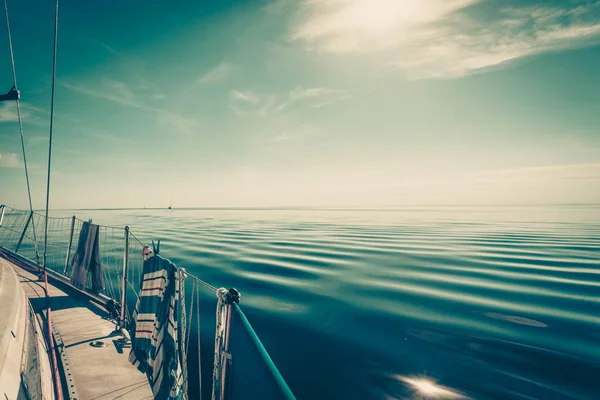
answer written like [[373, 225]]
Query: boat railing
[[241, 363]]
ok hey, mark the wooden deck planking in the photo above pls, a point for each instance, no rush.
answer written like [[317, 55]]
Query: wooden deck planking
[[100, 373]]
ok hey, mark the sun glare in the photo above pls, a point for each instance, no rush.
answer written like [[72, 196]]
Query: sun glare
[[429, 389]]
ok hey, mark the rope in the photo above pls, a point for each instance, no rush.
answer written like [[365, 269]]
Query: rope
[[51, 126], [12, 61]]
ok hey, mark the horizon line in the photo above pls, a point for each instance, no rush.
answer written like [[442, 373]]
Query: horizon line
[[323, 207]]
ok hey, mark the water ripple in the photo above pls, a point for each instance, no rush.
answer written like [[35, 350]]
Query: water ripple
[[456, 302]]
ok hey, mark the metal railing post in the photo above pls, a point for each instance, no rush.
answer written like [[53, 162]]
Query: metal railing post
[[124, 280], [232, 296], [70, 244], [2, 213], [24, 231]]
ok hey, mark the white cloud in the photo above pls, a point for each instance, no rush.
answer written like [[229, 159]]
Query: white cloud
[[342, 26], [216, 75], [246, 97], [442, 38], [9, 160]]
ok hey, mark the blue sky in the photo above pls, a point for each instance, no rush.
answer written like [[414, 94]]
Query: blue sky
[[308, 103]]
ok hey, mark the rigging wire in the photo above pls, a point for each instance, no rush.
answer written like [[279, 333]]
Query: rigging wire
[[51, 128], [45, 274], [12, 61]]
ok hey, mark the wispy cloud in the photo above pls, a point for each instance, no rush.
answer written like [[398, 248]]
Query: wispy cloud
[[101, 134], [276, 7], [35, 140], [280, 137], [134, 67], [544, 169], [303, 131], [29, 114], [244, 103], [184, 124], [578, 171], [318, 96], [9, 160], [322, 104], [216, 75], [109, 90], [8, 111], [246, 97], [128, 95], [73, 152], [445, 38], [267, 105], [342, 26]]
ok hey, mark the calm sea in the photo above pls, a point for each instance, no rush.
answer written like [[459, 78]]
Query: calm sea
[[453, 302]]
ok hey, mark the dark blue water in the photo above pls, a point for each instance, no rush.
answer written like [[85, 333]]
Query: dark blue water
[[455, 302]]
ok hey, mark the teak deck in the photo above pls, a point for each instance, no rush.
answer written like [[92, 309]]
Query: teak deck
[[100, 373]]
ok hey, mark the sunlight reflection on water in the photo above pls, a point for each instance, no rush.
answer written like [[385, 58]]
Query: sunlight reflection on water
[[429, 389]]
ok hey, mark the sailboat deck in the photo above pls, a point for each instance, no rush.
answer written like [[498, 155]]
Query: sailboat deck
[[100, 373]]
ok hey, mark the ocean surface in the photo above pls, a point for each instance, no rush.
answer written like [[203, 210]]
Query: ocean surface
[[417, 302]]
